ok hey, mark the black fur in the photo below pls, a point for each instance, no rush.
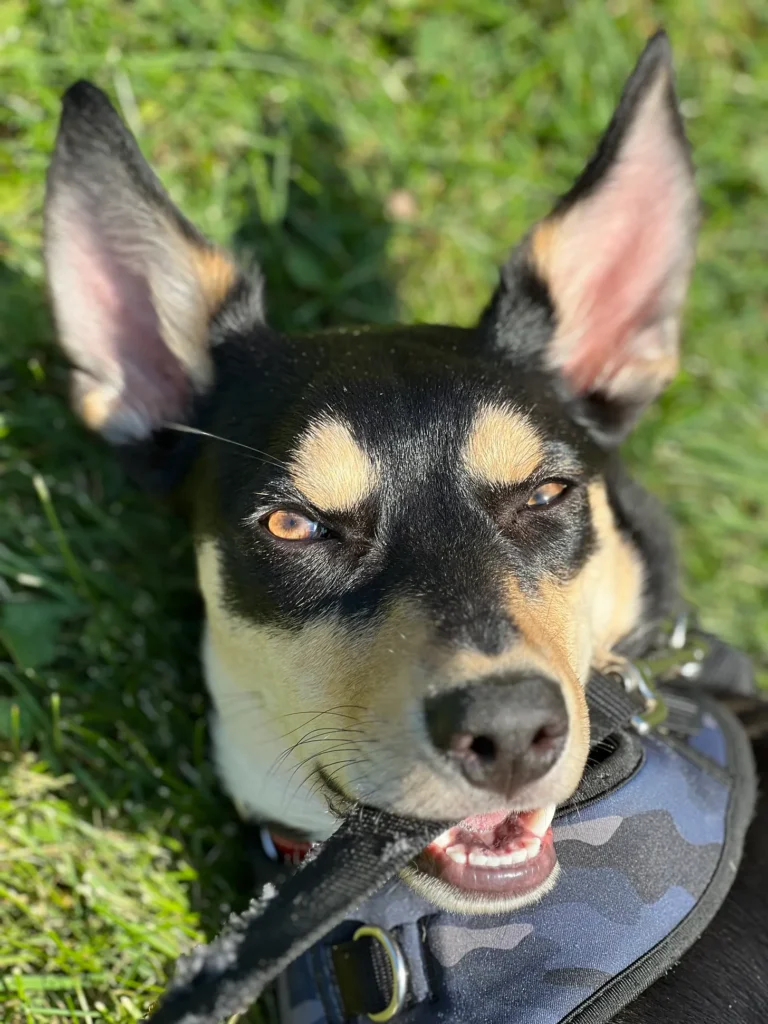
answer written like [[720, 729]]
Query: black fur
[[430, 533]]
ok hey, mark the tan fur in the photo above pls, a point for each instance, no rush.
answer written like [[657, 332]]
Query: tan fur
[[615, 578], [503, 447], [574, 625], [543, 242], [212, 275], [330, 468], [216, 273], [96, 406]]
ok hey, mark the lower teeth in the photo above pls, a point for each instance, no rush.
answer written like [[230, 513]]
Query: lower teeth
[[479, 859], [529, 848]]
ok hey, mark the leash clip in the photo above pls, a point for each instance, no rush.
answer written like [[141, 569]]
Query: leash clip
[[637, 678], [683, 654], [681, 658]]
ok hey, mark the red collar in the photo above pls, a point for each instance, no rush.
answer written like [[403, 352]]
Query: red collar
[[282, 848]]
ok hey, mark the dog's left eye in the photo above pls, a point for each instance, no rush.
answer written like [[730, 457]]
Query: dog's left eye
[[289, 525], [546, 493]]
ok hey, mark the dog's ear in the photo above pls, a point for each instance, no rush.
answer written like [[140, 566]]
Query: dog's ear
[[615, 256], [134, 286]]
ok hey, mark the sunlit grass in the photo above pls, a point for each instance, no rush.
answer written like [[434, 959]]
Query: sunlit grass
[[379, 160]]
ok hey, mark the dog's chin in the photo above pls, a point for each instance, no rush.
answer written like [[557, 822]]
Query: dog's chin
[[488, 864]]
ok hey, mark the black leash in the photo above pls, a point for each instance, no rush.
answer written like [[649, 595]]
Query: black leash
[[228, 976]]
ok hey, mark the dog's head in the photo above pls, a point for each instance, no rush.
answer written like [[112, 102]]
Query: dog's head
[[406, 542]]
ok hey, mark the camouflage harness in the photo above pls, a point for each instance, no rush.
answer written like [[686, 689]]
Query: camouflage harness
[[648, 848]]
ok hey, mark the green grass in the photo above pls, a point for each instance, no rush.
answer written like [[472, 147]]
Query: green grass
[[378, 159]]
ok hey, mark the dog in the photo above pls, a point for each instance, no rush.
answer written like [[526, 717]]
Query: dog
[[413, 543]]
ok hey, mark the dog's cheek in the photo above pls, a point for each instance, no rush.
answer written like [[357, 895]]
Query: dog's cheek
[[340, 689], [614, 581], [574, 622], [579, 622], [377, 671]]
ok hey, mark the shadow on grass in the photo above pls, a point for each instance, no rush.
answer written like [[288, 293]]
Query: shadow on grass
[[102, 618], [324, 262]]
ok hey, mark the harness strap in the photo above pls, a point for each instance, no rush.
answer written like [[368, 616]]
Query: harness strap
[[611, 707], [368, 848], [362, 974], [346, 984]]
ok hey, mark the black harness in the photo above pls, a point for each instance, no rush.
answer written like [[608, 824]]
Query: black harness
[[640, 712]]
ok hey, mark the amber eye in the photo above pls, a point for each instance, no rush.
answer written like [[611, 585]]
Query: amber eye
[[546, 493], [293, 526]]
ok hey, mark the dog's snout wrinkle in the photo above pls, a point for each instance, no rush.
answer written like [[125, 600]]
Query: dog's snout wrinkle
[[501, 733]]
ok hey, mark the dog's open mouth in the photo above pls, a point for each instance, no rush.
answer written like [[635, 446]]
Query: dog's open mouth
[[504, 854]]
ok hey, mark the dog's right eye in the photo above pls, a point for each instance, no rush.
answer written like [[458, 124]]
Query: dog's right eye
[[287, 525], [547, 493]]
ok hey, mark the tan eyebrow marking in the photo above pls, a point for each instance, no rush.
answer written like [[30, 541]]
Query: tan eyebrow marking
[[330, 468], [503, 447]]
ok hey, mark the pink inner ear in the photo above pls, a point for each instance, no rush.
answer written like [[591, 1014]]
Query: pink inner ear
[[118, 338], [619, 258], [621, 292]]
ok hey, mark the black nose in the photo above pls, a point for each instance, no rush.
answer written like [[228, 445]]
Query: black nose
[[501, 732]]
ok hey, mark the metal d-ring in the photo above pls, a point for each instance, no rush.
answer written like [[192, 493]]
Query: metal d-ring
[[397, 965]]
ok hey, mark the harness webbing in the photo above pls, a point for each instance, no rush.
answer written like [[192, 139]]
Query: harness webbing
[[369, 847]]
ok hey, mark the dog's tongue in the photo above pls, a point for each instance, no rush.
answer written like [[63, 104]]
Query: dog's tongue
[[484, 822]]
